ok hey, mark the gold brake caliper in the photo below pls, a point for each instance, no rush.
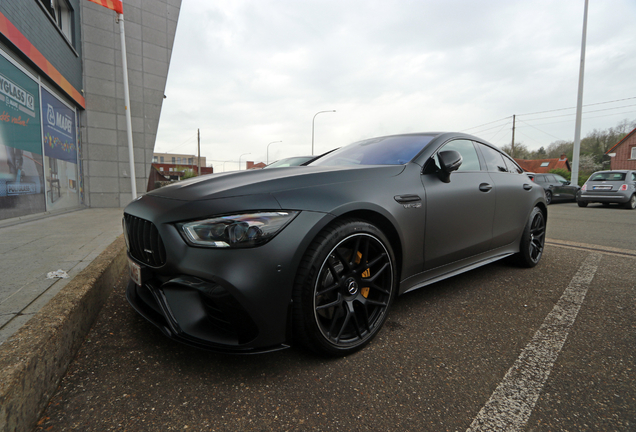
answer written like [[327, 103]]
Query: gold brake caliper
[[365, 274]]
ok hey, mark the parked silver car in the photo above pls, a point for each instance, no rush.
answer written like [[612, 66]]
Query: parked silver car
[[608, 187]]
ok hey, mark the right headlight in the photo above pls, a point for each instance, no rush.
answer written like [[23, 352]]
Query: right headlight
[[236, 231]]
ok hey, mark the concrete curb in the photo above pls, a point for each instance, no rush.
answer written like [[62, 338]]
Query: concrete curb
[[34, 360]]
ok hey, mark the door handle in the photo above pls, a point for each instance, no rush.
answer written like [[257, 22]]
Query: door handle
[[527, 186], [485, 187]]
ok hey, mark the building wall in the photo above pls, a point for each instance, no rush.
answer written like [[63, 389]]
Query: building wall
[[34, 22], [150, 27], [167, 158], [623, 160]]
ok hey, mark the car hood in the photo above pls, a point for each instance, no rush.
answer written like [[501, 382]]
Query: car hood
[[239, 183]]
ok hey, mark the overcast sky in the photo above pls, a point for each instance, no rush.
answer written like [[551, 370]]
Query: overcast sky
[[248, 73]]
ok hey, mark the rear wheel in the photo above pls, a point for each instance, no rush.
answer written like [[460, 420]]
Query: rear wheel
[[631, 204], [344, 288], [582, 203], [533, 239]]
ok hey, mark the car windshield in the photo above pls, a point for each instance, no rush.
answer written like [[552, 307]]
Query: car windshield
[[392, 150], [608, 176], [292, 161]]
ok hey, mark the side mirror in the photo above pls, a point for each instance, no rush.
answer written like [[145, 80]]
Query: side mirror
[[567, 183], [450, 160]]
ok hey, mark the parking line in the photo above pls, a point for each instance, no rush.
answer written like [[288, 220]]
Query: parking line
[[511, 404]]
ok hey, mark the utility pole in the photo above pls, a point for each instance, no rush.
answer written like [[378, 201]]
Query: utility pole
[[512, 146], [579, 107], [199, 146]]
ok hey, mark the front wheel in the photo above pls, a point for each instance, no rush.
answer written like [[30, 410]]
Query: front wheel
[[344, 288], [532, 239], [631, 204], [582, 203]]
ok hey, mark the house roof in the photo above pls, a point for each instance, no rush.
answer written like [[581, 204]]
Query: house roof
[[544, 165], [620, 142]]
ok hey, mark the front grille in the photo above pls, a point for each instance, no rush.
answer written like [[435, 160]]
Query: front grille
[[144, 241]]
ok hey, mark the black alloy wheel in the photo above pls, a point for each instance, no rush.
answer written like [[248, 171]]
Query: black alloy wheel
[[548, 197], [344, 288], [533, 239]]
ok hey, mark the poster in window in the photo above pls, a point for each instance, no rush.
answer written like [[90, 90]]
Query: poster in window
[[60, 153], [21, 162]]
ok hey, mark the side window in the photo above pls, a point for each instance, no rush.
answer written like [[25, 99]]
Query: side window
[[494, 159], [470, 160], [633, 176], [551, 179], [512, 166], [540, 178]]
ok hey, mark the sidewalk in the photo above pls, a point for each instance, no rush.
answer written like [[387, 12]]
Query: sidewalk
[[43, 320], [30, 250]]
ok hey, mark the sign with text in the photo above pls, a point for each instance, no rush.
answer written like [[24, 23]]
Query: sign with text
[[58, 127]]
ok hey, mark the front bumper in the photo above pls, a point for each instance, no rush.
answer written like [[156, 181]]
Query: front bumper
[[223, 300], [198, 314]]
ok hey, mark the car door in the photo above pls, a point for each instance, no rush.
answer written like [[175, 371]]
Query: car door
[[459, 214], [512, 204]]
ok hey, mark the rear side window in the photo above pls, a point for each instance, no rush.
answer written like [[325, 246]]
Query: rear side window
[[540, 178], [512, 166], [494, 159]]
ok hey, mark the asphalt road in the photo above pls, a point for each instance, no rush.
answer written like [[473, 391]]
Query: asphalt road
[[545, 349]]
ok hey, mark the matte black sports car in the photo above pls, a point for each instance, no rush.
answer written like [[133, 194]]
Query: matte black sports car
[[252, 261]]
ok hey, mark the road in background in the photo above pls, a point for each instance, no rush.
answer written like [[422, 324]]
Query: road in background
[[611, 226]]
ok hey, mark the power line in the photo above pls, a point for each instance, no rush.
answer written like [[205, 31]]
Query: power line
[[588, 105]]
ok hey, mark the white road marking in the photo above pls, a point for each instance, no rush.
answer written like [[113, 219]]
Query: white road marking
[[511, 404]]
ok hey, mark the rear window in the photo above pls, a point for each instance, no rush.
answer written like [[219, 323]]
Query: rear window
[[608, 176]]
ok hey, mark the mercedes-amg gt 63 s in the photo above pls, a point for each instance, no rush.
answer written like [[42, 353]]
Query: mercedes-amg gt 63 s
[[253, 261]]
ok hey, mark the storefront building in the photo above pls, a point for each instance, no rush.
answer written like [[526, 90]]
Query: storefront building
[[62, 115]]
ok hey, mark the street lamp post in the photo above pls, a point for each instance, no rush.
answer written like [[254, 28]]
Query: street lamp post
[[240, 159], [273, 142], [312, 128]]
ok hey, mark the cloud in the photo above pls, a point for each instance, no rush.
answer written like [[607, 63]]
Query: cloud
[[251, 72]]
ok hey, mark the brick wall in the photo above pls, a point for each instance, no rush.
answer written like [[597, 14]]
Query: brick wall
[[35, 24], [623, 160]]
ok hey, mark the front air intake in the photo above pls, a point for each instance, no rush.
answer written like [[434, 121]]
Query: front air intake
[[144, 241]]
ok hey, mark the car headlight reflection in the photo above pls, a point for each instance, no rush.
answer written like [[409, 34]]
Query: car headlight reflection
[[236, 231]]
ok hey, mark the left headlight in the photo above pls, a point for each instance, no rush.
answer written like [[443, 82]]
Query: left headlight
[[236, 231]]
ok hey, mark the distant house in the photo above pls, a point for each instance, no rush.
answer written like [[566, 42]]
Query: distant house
[[624, 153], [252, 165], [544, 165]]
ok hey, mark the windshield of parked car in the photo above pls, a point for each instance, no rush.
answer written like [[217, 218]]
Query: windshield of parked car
[[391, 150], [292, 161], [608, 176]]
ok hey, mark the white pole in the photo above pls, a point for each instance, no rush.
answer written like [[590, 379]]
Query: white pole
[[124, 63], [579, 107]]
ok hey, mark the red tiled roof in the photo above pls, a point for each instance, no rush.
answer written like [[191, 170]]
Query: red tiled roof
[[620, 142], [550, 164]]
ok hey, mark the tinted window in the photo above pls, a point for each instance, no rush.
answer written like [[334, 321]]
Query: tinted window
[[608, 176], [494, 159], [551, 179], [393, 150], [540, 178], [470, 160], [512, 166]]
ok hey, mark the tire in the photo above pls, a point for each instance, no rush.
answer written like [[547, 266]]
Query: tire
[[582, 203], [532, 240], [344, 288], [548, 197], [631, 204]]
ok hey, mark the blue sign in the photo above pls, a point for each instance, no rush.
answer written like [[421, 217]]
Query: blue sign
[[58, 126]]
